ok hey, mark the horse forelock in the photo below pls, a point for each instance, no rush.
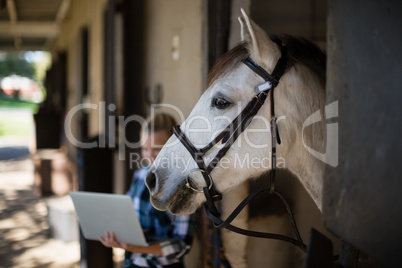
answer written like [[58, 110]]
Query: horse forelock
[[228, 62]]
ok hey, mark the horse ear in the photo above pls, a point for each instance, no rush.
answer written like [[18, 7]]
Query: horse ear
[[261, 45], [243, 36]]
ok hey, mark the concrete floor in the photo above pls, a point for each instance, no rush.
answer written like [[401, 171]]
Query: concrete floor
[[25, 235], [28, 233]]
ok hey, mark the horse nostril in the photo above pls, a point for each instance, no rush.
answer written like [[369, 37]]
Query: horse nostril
[[150, 180]]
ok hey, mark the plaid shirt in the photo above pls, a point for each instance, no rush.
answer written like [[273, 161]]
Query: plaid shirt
[[177, 230]]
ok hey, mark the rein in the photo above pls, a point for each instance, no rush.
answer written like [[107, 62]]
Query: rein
[[228, 137]]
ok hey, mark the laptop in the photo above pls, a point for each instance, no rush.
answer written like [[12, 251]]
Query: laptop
[[100, 212]]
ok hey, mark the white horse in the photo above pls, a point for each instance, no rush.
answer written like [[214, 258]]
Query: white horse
[[299, 94]]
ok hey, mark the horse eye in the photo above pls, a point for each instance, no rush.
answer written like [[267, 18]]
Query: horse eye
[[220, 103]]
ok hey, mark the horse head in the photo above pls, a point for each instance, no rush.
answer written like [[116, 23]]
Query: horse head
[[173, 177]]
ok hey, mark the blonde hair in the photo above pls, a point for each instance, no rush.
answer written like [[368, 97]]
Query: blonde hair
[[159, 122]]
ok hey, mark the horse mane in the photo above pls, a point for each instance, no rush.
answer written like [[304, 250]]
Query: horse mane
[[299, 50], [305, 52]]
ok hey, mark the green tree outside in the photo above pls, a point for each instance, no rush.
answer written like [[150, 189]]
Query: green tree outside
[[12, 63]]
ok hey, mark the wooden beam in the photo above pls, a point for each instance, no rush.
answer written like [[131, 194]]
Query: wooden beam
[[24, 48], [29, 29], [17, 42], [62, 12], [12, 11]]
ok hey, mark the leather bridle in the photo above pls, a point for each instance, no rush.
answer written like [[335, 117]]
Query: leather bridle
[[228, 137]]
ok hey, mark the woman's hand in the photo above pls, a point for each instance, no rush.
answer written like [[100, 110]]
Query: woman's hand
[[111, 242]]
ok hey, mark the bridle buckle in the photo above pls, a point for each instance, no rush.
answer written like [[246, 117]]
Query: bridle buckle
[[264, 87]]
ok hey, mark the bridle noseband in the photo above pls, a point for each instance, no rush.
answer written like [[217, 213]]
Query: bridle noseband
[[228, 137]]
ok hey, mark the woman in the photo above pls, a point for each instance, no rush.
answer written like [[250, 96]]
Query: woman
[[176, 231]]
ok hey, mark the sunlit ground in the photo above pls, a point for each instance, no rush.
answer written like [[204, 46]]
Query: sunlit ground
[[25, 237]]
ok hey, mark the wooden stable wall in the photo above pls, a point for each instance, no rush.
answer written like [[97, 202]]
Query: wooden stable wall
[[172, 67], [363, 193]]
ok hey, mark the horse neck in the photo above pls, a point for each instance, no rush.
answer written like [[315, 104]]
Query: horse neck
[[300, 95]]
